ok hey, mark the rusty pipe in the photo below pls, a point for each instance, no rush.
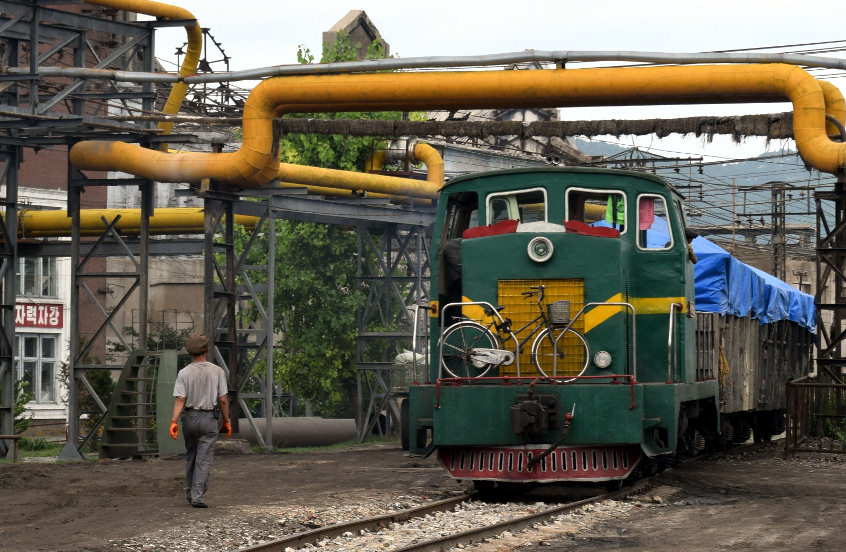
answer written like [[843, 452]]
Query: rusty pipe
[[256, 162]]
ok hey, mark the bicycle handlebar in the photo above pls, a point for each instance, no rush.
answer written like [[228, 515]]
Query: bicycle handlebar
[[536, 290]]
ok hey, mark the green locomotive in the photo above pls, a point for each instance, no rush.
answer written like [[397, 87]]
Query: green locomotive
[[563, 333]]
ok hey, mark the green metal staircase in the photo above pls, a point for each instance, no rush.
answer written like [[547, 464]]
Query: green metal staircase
[[142, 403]]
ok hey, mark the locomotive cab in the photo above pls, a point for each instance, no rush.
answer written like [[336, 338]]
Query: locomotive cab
[[560, 331]]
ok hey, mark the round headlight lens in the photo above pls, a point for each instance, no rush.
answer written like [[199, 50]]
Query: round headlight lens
[[540, 249], [602, 359]]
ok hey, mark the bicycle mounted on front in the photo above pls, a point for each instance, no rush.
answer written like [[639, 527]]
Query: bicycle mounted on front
[[470, 348]]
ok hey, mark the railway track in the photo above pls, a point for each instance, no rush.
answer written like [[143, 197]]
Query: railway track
[[347, 535]]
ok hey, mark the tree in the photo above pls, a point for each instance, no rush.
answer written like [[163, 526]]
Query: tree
[[316, 290]]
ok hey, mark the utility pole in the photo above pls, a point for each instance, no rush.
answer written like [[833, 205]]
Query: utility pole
[[779, 238]]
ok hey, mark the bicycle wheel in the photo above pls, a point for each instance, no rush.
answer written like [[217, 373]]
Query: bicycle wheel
[[458, 344], [573, 353]]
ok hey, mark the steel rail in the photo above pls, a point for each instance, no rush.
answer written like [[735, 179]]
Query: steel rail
[[558, 57], [475, 535], [376, 522], [442, 543]]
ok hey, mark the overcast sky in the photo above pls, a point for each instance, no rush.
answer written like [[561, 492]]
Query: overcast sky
[[260, 33]]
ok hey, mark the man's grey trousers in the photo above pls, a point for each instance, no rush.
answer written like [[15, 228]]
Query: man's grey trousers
[[200, 430]]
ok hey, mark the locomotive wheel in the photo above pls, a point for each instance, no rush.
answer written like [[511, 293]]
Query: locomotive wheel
[[763, 427], [667, 461], [483, 487], [614, 485]]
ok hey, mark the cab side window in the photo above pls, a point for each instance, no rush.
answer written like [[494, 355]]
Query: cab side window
[[653, 223], [462, 212]]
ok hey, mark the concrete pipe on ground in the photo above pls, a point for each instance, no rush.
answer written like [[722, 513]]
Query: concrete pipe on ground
[[300, 432]]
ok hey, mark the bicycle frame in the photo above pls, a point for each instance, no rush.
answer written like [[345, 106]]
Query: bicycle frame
[[545, 324], [466, 304], [542, 323]]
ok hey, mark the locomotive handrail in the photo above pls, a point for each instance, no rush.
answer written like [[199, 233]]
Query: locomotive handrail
[[471, 303], [672, 355], [597, 304], [414, 345]]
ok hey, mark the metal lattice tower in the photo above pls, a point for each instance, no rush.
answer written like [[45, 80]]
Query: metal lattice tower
[[831, 281], [779, 238]]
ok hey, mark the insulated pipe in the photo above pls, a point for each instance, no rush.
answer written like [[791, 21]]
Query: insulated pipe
[[835, 105], [558, 57], [166, 220], [257, 163], [393, 186], [192, 54]]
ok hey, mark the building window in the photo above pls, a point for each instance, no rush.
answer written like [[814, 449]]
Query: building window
[[36, 363], [37, 277]]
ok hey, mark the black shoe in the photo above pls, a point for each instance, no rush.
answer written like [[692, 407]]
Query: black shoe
[[199, 505]]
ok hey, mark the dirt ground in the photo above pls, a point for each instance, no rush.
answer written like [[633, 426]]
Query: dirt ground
[[755, 501]]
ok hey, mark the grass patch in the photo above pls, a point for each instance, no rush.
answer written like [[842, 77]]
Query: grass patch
[[29, 448]]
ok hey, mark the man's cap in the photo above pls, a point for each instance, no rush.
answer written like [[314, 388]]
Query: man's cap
[[197, 344]]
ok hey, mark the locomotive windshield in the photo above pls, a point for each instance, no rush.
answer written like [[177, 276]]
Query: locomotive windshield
[[524, 206], [597, 207]]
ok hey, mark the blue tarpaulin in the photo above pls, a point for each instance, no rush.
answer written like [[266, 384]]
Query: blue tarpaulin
[[726, 286]]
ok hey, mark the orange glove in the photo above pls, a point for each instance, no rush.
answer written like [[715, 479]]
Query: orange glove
[[226, 427], [174, 430]]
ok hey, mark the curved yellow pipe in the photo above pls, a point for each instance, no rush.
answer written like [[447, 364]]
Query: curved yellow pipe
[[170, 220], [331, 181], [256, 163], [835, 105], [192, 54]]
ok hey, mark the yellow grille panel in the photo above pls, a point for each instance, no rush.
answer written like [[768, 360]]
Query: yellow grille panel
[[523, 310]]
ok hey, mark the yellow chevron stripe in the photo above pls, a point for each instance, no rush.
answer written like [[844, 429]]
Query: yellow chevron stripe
[[642, 305]]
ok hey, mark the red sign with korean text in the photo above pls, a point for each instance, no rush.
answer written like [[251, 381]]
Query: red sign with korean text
[[39, 315]]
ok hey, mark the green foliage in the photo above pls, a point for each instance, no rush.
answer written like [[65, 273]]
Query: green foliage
[[335, 151], [316, 290], [30, 448], [22, 397], [160, 337], [315, 302], [318, 301], [36, 443], [102, 384]]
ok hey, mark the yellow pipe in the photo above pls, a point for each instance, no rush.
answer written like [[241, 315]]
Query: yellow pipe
[[376, 161], [192, 54], [170, 220], [256, 163], [835, 105], [390, 186]]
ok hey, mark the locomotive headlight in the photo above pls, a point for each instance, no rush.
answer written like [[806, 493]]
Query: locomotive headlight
[[602, 359], [540, 249]]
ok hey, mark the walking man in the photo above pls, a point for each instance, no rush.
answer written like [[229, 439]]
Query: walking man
[[200, 387]]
